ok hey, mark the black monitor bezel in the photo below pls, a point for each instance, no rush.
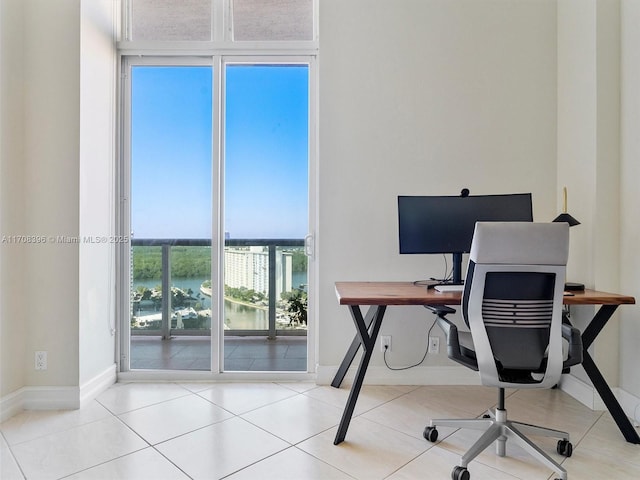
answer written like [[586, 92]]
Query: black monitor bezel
[[467, 210]]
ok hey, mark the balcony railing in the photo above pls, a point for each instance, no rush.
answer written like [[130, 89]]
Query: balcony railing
[[181, 313]]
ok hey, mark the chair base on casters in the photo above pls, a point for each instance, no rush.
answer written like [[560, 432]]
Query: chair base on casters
[[498, 429]]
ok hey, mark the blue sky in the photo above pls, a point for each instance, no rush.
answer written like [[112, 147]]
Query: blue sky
[[266, 151]]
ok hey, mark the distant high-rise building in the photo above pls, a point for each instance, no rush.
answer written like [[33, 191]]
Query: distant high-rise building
[[249, 268]]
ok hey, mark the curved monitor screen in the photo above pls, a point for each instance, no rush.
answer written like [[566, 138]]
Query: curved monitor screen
[[445, 224]]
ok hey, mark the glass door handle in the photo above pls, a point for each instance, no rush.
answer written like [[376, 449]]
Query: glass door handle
[[309, 245]]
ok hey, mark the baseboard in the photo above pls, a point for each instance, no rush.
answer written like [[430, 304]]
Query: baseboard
[[630, 404], [377, 375], [11, 404], [90, 389], [39, 398], [55, 397], [586, 394], [581, 391]]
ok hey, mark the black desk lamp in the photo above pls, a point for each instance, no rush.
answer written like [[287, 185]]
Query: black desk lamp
[[565, 217]]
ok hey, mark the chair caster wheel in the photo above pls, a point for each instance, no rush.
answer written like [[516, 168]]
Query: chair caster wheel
[[564, 448], [460, 473], [431, 434], [486, 415]]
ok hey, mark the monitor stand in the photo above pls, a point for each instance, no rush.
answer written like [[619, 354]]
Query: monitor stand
[[457, 269], [456, 275]]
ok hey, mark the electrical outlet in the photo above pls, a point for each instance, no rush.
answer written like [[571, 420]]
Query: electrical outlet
[[385, 343], [434, 344], [41, 360]]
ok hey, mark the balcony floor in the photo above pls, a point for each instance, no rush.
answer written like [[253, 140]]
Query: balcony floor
[[247, 354]]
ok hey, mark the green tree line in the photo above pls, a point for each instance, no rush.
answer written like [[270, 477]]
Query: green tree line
[[187, 262]]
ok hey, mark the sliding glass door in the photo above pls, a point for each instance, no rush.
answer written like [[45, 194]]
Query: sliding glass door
[[216, 175], [171, 153], [266, 171]]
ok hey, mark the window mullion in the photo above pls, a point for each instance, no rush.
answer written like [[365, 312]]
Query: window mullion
[[217, 221], [220, 20]]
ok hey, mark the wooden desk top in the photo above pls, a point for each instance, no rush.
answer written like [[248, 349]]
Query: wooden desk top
[[406, 293]]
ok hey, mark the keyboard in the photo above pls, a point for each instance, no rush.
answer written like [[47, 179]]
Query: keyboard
[[449, 288]]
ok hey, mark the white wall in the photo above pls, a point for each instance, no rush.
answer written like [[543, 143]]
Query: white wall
[[588, 134], [424, 97], [51, 146], [598, 157], [630, 193], [13, 328], [96, 294], [58, 121]]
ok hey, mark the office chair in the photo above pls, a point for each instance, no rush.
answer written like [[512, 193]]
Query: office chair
[[512, 303]]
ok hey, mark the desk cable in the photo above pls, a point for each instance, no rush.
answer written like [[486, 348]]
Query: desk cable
[[384, 355], [448, 276]]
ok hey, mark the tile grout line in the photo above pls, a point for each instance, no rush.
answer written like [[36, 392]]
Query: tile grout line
[[13, 456]]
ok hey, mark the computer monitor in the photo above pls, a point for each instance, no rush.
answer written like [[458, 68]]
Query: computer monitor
[[445, 224]]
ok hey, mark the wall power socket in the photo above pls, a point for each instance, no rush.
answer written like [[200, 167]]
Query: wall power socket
[[41, 360], [434, 344], [385, 343]]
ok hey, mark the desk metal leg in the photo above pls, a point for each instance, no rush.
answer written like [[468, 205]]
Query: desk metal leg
[[609, 399], [590, 333], [368, 342], [353, 349]]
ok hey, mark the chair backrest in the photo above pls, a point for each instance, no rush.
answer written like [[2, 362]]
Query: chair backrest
[[512, 301]]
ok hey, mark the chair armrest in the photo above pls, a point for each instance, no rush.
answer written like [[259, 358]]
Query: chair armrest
[[574, 338], [454, 351]]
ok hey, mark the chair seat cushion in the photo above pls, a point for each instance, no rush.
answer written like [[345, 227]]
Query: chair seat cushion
[[506, 375]]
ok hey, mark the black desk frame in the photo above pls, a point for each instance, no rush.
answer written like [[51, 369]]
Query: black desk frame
[[368, 329], [590, 333], [367, 334]]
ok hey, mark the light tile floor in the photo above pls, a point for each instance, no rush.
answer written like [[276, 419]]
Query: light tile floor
[[244, 431]]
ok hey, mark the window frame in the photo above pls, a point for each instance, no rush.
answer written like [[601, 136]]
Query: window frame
[[217, 53], [222, 38]]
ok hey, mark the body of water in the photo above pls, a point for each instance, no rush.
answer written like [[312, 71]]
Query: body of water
[[237, 316]]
